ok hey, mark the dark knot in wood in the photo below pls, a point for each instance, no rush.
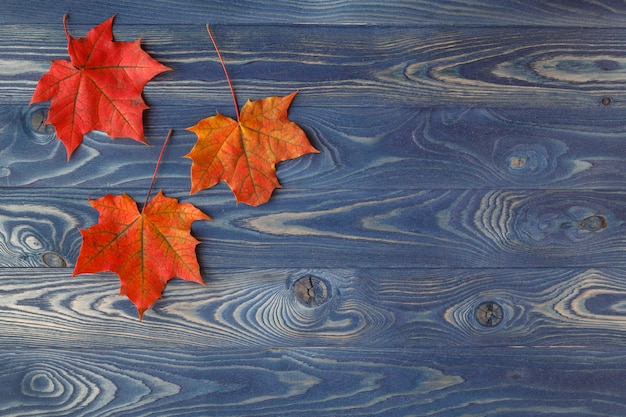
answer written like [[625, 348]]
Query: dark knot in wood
[[593, 223], [310, 291], [34, 124], [53, 260], [489, 314], [38, 120]]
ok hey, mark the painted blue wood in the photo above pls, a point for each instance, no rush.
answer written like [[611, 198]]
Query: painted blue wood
[[351, 228], [314, 382], [402, 148], [375, 308], [581, 13], [471, 156], [441, 228], [363, 66]]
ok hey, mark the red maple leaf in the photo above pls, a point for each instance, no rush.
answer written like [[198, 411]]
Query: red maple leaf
[[99, 89], [244, 152], [146, 249]]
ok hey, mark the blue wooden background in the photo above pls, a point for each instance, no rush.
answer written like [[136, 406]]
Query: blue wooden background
[[472, 154]]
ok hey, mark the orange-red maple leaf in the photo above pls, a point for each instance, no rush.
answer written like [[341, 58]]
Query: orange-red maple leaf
[[244, 153], [99, 89], [146, 249]]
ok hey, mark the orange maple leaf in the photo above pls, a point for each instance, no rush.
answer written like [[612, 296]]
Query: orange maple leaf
[[99, 89], [244, 154], [146, 249]]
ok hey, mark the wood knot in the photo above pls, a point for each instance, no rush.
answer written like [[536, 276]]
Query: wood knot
[[310, 291], [38, 120], [53, 260], [606, 101], [517, 162], [489, 314], [594, 223], [34, 124]]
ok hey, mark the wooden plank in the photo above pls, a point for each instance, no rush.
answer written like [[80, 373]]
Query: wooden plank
[[350, 228], [401, 148], [375, 308], [352, 66], [585, 13], [440, 228], [459, 239], [316, 382]]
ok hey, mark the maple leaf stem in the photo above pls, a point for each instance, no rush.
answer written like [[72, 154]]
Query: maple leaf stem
[[156, 169], [67, 33], [230, 84]]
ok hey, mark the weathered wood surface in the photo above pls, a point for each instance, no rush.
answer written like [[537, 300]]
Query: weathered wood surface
[[580, 13], [362, 66], [351, 228], [314, 382], [401, 148], [460, 237], [376, 308]]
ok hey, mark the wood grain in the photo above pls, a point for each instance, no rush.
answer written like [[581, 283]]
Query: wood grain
[[440, 228], [350, 228], [318, 382], [471, 154], [402, 148], [352, 65], [376, 308], [584, 13]]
